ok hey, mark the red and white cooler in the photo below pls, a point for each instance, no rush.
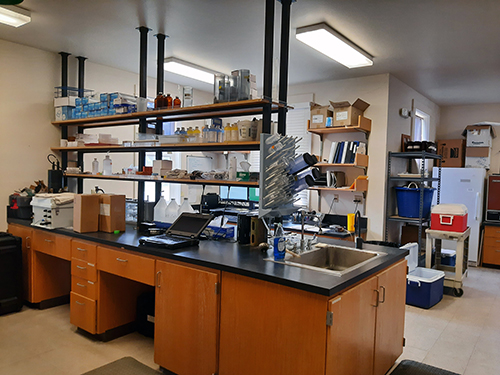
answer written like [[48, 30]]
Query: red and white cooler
[[449, 217]]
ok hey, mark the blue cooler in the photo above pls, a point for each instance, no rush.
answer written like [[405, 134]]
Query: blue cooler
[[424, 286], [448, 257]]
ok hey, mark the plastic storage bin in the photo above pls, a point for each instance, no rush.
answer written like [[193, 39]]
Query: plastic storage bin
[[408, 200], [424, 287], [449, 217]]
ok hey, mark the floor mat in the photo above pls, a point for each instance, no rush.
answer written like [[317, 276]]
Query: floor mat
[[407, 367], [124, 366]]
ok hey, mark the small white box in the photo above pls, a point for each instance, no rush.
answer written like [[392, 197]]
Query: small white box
[[63, 113], [66, 101], [162, 164], [479, 135]]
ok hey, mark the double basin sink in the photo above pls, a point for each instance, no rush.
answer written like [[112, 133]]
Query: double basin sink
[[331, 259]]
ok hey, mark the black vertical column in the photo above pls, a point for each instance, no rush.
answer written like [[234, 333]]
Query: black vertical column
[[160, 83], [143, 78], [268, 65], [64, 129], [81, 75], [284, 57]]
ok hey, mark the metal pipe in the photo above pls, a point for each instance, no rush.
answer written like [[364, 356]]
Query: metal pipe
[[64, 72], [143, 60], [268, 64], [81, 75], [284, 57], [160, 71]]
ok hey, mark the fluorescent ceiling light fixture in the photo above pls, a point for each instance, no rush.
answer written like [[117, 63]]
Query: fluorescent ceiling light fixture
[[186, 69], [14, 16], [329, 42]]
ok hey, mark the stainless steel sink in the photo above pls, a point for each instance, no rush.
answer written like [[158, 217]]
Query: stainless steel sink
[[332, 259]]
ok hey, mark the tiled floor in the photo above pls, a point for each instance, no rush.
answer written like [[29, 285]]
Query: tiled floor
[[458, 334]]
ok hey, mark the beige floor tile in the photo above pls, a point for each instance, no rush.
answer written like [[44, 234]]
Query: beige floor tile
[[413, 354], [38, 365], [486, 352], [442, 360], [479, 369]]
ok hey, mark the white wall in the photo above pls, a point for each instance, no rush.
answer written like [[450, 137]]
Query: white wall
[[374, 90], [27, 80], [454, 119], [402, 96]]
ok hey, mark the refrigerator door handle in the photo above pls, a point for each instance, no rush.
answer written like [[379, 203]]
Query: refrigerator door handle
[[477, 206]]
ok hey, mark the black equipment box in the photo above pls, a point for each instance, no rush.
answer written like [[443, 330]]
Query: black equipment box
[[11, 280]]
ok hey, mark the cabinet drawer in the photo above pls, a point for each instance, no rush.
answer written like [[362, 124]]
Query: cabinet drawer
[[83, 312], [84, 270], [134, 267], [491, 241], [491, 231], [52, 244], [491, 254], [84, 287], [82, 250]]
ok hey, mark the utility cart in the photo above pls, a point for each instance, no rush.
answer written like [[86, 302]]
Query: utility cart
[[453, 274]]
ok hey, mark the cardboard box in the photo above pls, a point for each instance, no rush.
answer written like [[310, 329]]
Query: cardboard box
[[159, 165], [452, 152], [63, 113], [86, 213], [68, 101], [345, 114], [409, 233], [478, 157], [479, 135], [112, 213], [319, 115]]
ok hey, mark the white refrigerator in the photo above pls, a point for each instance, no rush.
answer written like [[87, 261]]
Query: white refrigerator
[[466, 186]]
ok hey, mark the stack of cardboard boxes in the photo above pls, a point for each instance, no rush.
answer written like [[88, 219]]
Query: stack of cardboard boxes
[[99, 212], [337, 114]]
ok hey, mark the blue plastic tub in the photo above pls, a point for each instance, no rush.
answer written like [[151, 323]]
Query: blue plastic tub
[[448, 257], [408, 200], [424, 287]]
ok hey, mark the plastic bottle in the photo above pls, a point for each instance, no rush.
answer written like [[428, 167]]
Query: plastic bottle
[[107, 166], [183, 131], [197, 134], [227, 133], [95, 166], [160, 210], [185, 207], [205, 134], [177, 102], [169, 101], [171, 212], [212, 134], [234, 133], [279, 242], [220, 134], [232, 168]]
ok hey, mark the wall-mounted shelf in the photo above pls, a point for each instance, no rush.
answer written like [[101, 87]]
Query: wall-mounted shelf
[[364, 125], [407, 219], [227, 146], [125, 177], [361, 161], [360, 185], [413, 179], [230, 109]]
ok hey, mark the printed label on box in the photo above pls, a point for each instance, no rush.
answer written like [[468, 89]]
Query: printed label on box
[[105, 209], [317, 119], [339, 116]]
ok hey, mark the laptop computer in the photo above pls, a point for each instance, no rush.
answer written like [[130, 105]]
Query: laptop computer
[[184, 232]]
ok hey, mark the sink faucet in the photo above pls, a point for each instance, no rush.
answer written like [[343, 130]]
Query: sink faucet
[[305, 245], [358, 241]]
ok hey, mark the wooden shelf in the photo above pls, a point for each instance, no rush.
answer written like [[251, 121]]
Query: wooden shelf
[[360, 185], [170, 180], [230, 109], [361, 161], [215, 147], [364, 125]]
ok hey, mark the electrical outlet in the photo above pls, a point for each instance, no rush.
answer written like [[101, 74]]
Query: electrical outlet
[[335, 197], [358, 199]]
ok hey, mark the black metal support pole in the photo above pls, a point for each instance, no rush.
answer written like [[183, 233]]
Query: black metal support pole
[[284, 57], [64, 72], [143, 77], [160, 83], [81, 75], [268, 65]]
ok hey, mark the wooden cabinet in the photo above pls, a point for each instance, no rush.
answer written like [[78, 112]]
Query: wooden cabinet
[[351, 336], [83, 312], [26, 235], [84, 250], [389, 331], [187, 318], [270, 329], [52, 244], [491, 247]]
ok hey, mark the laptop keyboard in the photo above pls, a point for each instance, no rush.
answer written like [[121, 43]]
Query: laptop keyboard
[[169, 240]]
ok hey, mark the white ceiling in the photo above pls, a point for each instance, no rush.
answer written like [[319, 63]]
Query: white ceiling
[[448, 50]]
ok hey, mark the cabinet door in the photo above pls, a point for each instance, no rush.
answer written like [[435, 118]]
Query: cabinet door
[[389, 330], [186, 319], [351, 337], [26, 236]]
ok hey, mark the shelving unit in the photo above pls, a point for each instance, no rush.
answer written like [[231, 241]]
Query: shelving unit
[[364, 125], [422, 181]]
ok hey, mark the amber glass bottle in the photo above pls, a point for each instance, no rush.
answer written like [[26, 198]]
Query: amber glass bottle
[[159, 101], [168, 101], [177, 102]]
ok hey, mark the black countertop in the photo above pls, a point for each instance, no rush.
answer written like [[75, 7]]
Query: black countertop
[[243, 260]]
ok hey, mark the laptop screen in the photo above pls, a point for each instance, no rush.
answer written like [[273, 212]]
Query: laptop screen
[[188, 224]]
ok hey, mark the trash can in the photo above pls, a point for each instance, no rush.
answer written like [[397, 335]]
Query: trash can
[[408, 201]]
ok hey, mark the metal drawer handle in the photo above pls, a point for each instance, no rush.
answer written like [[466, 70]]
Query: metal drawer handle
[[122, 260], [80, 303], [46, 240], [158, 279], [81, 285], [28, 246], [81, 268], [78, 248], [378, 297], [383, 294], [498, 251]]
